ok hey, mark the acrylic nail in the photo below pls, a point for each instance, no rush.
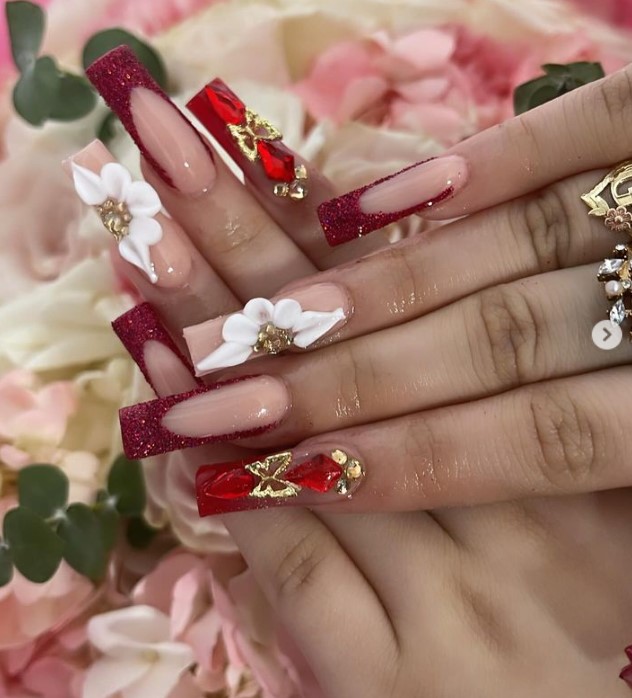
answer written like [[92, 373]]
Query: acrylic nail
[[130, 212], [147, 341], [300, 477], [264, 327], [228, 411], [251, 140], [414, 189], [165, 137]]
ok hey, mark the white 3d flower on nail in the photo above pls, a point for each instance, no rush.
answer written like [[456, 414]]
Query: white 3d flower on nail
[[127, 210], [269, 328]]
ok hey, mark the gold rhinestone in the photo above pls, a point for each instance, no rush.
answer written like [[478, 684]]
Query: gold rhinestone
[[115, 217], [281, 190], [339, 456], [353, 470], [300, 172], [273, 340], [298, 190], [342, 486]]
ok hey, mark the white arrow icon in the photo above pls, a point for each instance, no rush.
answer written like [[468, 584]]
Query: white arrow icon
[[606, 335]]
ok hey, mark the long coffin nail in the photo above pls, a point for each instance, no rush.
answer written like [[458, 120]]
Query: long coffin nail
[[236, 409], [301, 477], [266, 327], [146, 339], [412, 190], [130, 212], [165, 137], [249, 138]]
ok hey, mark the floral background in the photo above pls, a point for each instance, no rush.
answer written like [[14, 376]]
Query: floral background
[[362, 87]]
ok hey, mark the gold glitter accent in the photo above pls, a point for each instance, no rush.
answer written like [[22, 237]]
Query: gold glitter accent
[[115, 217], [270, 471], [339, 456], [248, 134], [353, 470], [272, 340], [297, 189]]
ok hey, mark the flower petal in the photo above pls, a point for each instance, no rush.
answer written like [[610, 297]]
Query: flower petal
[[241, 329], [286, 312], [314, 325], [164, 673], [88, 185], [142, 200], [108, 676], [128, 631], [136, 252], [260, 310], [228, 354], [146, 230], [116, 179]]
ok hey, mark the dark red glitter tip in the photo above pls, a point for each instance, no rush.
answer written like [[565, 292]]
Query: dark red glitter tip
[[143, 433], [342, 220], [115, 75], [140, 325]]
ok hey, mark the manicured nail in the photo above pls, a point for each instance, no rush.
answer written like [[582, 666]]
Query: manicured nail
[[412, 190], [301, 477], [266, 327], [147, 341], [250, 140], [130, 212], [165, 137], [236, 409], [625, 675]]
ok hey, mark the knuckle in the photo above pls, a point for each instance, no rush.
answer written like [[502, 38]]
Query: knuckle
[[504, 337], [358, 379], [566, 435], [420, 449], [614, 95], [242, 234], [301, 568], [545, 219]]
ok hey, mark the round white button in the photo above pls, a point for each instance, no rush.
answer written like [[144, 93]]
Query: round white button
[[606, 335]]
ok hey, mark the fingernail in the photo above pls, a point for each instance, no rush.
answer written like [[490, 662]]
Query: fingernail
[[412, 190], [147, 341], [250, 140], [301, 477], [626, 675], [165, 137], [130, 212], [236, 409], [264, 327]]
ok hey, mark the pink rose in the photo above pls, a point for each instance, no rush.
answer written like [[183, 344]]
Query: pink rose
[[616, 12]]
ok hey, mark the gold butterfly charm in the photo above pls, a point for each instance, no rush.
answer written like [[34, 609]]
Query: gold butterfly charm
[[254, 129], [270, 472], [610, 197]]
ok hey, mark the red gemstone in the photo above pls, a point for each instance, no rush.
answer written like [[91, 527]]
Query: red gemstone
[[231, 484], [225, 102], [319, 474], [277, 160]]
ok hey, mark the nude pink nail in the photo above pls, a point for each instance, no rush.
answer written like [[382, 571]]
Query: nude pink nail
[[168, 261], [412, 190], [268, 327], [228, 411], [165, 137]]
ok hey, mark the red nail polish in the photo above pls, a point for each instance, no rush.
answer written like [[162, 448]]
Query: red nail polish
[[298, 477], [249, 139], [140, 326]]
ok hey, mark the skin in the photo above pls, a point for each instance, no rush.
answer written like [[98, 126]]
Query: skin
[[523, 595]]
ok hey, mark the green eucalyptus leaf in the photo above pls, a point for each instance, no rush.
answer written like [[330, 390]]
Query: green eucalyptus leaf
[[26, 22], [108, 521], [524, 93], [545, 94], [43, 489], [127, 486], [75, 98], [106, 130], [556, 69], [85, 549], [585, 72], [105, 41], [139, 533], [36, 550], [35, 91], [6, 565]]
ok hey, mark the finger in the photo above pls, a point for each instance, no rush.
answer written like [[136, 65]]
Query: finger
[[561, 437], [581, 131], [533, 235], [286, 185], [228, 227], [311, 581], [168, 272]]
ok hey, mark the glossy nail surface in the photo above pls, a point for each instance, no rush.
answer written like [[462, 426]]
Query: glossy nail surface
[[147, 341], [301, 477], [167, 140], [251, 140], [264, 327], [226, 411], [130, 212], [412, 190]]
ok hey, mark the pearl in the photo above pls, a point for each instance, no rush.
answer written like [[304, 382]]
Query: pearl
[[614, 288]]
